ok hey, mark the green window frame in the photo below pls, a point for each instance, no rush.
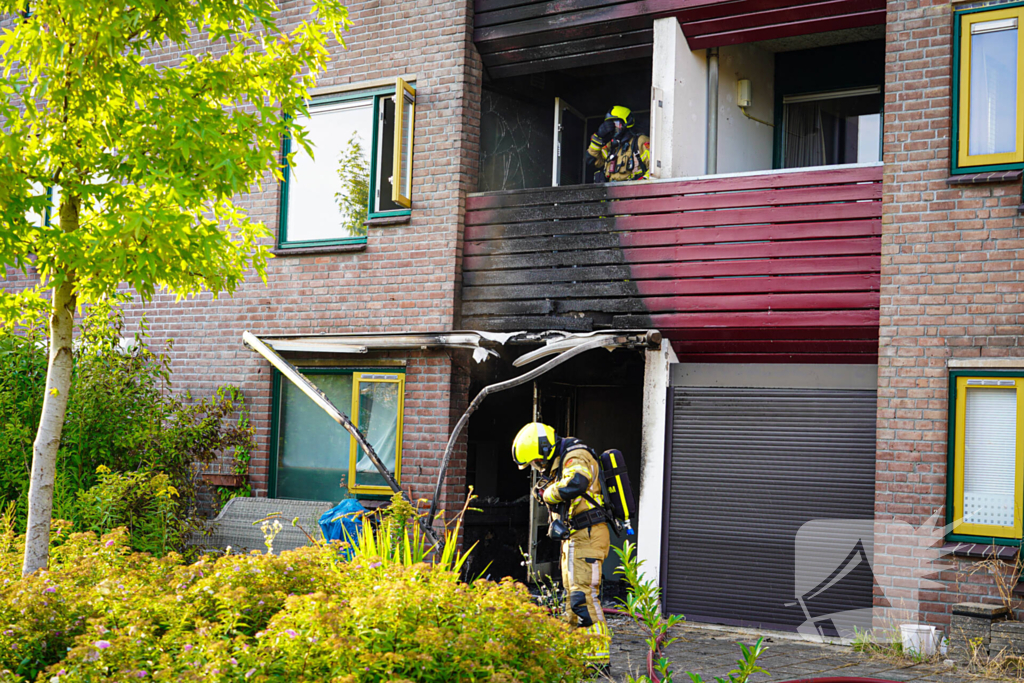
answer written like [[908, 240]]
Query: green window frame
[[389, 145], [352, 473], [981, 454], [966, 24]]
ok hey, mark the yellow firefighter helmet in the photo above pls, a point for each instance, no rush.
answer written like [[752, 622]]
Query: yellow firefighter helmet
[[535, 441], [623, 113]]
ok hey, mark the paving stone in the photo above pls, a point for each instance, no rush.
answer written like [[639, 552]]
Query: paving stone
[[1007, 638], [713, 653], [967, 633], [980, 609]]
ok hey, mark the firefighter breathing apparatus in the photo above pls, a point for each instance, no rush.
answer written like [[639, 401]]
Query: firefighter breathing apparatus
[[536, 442]]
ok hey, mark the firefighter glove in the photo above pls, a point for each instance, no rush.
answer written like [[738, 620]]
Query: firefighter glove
[[607, 131], [538, 492]]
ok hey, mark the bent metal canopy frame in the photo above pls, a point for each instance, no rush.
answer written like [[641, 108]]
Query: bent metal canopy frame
[[564, 345]]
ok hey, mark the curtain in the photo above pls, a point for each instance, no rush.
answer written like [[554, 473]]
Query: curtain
[[805, 135]]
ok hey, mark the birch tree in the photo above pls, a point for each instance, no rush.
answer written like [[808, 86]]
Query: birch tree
[[141, 122]]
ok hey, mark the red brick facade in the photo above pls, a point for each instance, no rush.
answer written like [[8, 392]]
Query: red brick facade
[[951, 288], [406, 277]]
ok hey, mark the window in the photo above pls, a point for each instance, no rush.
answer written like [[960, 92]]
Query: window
[[988, 115], [987, 455], [361, 167], [840, 127], [313, 457]]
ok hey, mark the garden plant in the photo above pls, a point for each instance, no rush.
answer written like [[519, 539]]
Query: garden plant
[[132, 451], [643, 605], [393, 610]]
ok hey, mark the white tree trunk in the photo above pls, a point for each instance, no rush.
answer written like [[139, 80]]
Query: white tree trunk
[[51, 422]]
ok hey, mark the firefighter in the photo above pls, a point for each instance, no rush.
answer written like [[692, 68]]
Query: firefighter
[[616, 151], [570, 482]]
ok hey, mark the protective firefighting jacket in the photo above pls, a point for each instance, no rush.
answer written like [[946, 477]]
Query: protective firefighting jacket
[[628, 159], [580, 474]]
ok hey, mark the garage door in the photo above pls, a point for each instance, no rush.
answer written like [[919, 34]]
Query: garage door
[[754, 473]]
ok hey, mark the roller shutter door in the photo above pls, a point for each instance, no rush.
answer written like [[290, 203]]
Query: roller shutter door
[[748, 467]]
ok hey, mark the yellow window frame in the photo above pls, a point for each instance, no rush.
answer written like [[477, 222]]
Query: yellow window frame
[[988, 530], [377, 377], [403, 174], [966, 22]]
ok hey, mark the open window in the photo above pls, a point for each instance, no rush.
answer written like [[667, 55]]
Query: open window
[[377, 402], [361, 166], [313, 457], [988, 112], [986, 455]]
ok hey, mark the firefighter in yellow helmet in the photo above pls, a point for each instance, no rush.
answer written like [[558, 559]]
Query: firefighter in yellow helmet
[[616, 151], [570, 477]]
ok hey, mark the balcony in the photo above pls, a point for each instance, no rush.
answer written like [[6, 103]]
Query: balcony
[[779, 266]]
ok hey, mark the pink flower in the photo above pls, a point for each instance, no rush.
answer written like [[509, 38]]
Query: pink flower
[[188, 647], [250, 672], [291, 632], [50, 589], [109, 543], [102, 644]]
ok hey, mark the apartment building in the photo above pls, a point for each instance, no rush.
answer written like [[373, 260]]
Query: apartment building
[[811, 308]]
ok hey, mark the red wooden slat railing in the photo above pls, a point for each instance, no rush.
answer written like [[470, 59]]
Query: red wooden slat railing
[[779, 266]]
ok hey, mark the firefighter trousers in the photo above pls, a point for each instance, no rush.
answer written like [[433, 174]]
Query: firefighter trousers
[[582, 557]]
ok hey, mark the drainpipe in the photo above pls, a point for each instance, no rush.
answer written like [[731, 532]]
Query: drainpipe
[[712, 134]]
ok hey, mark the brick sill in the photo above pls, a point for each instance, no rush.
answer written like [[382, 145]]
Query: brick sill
[[388, 220], [981, 550], [310, 251], [987, 177]]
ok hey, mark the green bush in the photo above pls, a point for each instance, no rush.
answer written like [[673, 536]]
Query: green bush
[[121, 416], [101, 612], [143, 502]]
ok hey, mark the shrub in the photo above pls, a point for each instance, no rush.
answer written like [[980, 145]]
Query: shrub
[[104, 612], [143, 502], [121, 416]]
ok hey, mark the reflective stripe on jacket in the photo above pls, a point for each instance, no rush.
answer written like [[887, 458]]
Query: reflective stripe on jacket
[[578, 462]]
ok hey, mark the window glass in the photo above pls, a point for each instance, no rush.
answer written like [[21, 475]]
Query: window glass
[[990, 456], [379, 405], [827, 129], [313, 450], [385, 157], [406, 151], [993, 87], [328, 195]]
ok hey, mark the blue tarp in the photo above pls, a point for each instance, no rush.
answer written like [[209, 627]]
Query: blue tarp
[[343, 522]]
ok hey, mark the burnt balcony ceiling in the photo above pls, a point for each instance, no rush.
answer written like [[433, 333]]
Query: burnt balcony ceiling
[[517, 37]]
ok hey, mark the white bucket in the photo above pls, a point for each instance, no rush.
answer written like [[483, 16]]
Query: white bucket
[[918, 639]]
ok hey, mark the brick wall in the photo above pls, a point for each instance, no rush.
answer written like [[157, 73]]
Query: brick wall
[[951, 287], [405, 279]]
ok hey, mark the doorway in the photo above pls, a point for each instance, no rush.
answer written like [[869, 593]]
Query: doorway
[[596, 397]]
